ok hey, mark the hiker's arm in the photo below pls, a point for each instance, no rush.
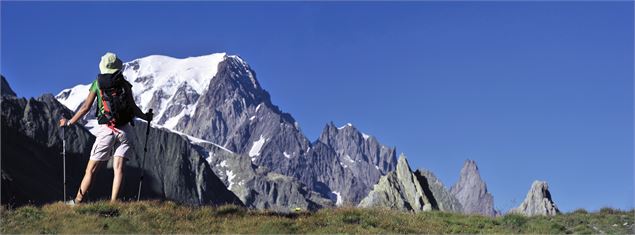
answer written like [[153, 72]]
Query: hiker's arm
[[82, 111], [141, 114], [137, 110]]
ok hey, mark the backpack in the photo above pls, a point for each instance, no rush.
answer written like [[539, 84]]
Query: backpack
[[115, 91]]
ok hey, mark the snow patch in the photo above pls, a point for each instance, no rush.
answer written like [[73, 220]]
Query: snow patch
[[210, 157], [252, 118], [344, 126], [223, 163], [287, 155], [338, 198], [348, 158], [173, 121], [258, 107], [230, 177], [366, 136], [76, 96], [256, 147], [195, 140]]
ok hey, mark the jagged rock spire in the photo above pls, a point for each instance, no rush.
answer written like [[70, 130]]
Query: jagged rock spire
[[471, 191], [537, 202], [6, 89], [399, 190]]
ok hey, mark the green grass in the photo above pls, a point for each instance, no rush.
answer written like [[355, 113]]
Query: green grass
[[167, 217]]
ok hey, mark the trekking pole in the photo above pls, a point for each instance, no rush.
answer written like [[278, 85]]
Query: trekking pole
[[145, 150], [64, 158]]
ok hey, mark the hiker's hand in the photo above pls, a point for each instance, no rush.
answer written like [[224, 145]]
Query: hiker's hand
[[149, 116], [63, 122]]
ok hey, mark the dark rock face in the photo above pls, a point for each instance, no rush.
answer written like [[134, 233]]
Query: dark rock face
[[471, 191], [32, 163], [443, 200], [177, 171], [5, 88], [537, 202], [32, 151]]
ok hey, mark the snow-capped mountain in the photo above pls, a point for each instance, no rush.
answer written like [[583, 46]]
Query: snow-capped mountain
[[168, 85], [217, 98]]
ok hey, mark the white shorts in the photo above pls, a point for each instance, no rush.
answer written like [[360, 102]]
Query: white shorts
[[110, 143]]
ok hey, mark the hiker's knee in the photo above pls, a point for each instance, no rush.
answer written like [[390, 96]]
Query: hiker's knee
[[117, 164], [91, 171], [92, 167]]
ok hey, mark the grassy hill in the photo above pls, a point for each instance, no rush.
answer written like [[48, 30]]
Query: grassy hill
[[168, 217]]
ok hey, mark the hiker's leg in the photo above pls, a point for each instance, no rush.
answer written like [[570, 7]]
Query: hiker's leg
[[122, 151], [101, 153], [91, 168], [117, 167]]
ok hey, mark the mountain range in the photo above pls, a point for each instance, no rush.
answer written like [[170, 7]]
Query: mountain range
[[214, 123]]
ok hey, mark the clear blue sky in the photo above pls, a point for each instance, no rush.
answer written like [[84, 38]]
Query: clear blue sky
[[539, 90]]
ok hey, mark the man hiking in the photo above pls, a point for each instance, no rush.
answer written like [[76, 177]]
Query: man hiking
[[115, 110]]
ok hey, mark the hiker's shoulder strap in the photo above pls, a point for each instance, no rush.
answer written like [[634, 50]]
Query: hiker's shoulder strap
[[94, 87]]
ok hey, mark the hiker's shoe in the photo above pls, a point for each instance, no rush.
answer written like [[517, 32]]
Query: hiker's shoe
[[71, 203]]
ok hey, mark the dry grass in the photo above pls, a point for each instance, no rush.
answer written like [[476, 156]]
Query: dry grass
[[168, 217]]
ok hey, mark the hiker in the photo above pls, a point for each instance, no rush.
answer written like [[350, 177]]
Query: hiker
[[115, 110]]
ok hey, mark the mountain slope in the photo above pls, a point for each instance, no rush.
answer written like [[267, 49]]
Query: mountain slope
[[32, 163], [217, 98], [259, 187]]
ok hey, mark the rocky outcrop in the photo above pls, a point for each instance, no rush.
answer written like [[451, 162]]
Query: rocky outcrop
[[445, 201], [32, 163], [32, 151], [471, 191], [5, 88], [400, 190], [537, 202], [258, 187], [175, 170]]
